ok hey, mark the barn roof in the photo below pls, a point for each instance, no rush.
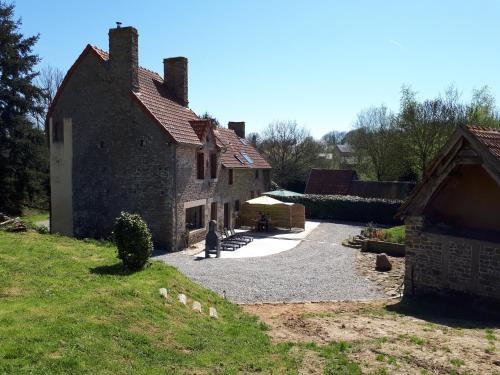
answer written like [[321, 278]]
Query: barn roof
[[468, 145]]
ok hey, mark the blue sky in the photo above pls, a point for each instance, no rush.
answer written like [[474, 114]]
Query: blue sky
[[316, 62]]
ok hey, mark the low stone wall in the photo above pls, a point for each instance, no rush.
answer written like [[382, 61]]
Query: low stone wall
[[445, 264], [392, 249]]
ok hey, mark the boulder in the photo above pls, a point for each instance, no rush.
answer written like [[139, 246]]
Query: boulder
[[196, 306], [213, 312], [163, 292], [383, 263], [182, 298]]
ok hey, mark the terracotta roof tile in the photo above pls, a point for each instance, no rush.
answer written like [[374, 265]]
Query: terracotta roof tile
[[172, 116], [489, 137], [330, 181], [234, 150]]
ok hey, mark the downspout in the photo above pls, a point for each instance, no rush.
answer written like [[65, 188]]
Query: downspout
[[175, 197]]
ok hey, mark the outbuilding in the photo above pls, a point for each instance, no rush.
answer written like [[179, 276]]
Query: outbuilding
[[452, 219]]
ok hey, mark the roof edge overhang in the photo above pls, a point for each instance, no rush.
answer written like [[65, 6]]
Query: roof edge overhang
[[88, 49], [488, 161]]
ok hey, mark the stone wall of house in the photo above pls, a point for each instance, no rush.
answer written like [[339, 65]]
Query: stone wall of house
[[192, 191], [121, 160], [445, 264]]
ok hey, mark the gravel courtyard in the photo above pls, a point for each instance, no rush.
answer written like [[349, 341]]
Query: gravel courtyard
[[318, 269]]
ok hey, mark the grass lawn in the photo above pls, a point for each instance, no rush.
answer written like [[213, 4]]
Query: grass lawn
[[66, 306], [395, 234]]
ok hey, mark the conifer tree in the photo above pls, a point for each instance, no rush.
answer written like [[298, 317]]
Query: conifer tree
[[23, 157]]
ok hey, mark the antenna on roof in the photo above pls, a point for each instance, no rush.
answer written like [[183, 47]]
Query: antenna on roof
[[118, 24]]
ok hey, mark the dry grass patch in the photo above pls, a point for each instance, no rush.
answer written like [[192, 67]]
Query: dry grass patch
[[383, 339]]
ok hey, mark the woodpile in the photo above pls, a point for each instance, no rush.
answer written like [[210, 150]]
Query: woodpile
[[10, 224]]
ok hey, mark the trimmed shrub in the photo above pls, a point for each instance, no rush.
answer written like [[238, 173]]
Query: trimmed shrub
[[349, 208], [133, 240]]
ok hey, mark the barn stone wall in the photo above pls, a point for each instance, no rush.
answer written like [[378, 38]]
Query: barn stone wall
[[444, 264]]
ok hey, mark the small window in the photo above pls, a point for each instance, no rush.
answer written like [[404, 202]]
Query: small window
[[237, 205], [101, 144], [258, 193], [256, 174], [239, 159], [194, 217], [247, 158], [213, 211], [200, 165], [230, 172], [58, 132], [142, 142], [213, 166], [252, 194]]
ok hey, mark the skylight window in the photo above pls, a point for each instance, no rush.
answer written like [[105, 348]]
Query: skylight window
[[247, 158], [243, 141], [239, 159]]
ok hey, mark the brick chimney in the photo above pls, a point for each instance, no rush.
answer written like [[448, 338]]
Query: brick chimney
[[238, 127], [175, 76], [124, 56]]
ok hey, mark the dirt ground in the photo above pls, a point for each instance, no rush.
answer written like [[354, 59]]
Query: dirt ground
[[389, 337]]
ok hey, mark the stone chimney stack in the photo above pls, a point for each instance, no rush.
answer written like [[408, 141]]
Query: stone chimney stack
[[238, 127], [124, 56], [175, 70]]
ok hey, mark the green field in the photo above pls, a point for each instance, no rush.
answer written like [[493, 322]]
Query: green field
[[67, 306]]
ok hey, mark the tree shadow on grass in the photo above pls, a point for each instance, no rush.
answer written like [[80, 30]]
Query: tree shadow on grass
[[452, 312], [117, 269]]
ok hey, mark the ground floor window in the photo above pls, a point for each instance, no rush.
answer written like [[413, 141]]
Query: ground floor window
[[237, 205], [195, 217]]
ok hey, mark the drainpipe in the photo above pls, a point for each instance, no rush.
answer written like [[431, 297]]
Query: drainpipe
[[175, 197]]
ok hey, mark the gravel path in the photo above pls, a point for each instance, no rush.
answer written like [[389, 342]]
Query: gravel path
[[318, 269]]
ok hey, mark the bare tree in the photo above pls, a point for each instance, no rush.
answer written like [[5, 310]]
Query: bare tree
[[291, 151], [49, 79]]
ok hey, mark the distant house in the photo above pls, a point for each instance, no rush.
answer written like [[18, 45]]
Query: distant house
[[345, 182], [453, 219], [124, 138], [345, 155]]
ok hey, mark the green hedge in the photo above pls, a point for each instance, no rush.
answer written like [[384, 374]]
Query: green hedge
[[349, 208]]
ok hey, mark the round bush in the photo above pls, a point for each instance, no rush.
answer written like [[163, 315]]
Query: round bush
[[133, 240]]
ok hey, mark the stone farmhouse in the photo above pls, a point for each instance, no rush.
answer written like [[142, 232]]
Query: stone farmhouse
[[124, 139], [453, 220]]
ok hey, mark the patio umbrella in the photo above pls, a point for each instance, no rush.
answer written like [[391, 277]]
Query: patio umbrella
[[282, 193]]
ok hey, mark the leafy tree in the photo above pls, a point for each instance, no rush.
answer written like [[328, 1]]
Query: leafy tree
[[22, 158], [482, 110], [426, 126], [377, 144], [334, 138]]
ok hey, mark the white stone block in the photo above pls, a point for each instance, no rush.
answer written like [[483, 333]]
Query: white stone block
[[163, 292], [197, 306], [213, 312], [182, 299]]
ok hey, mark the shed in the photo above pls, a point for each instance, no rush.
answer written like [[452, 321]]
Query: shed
[[452, 219], [280, 214]]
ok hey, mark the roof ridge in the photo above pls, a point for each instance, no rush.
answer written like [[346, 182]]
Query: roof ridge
[[482, 128]]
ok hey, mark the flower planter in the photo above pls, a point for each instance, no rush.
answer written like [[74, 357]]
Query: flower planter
[[392, 249]]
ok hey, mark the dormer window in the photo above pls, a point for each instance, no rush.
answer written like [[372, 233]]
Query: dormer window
[[200, 166], [213, 166]]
